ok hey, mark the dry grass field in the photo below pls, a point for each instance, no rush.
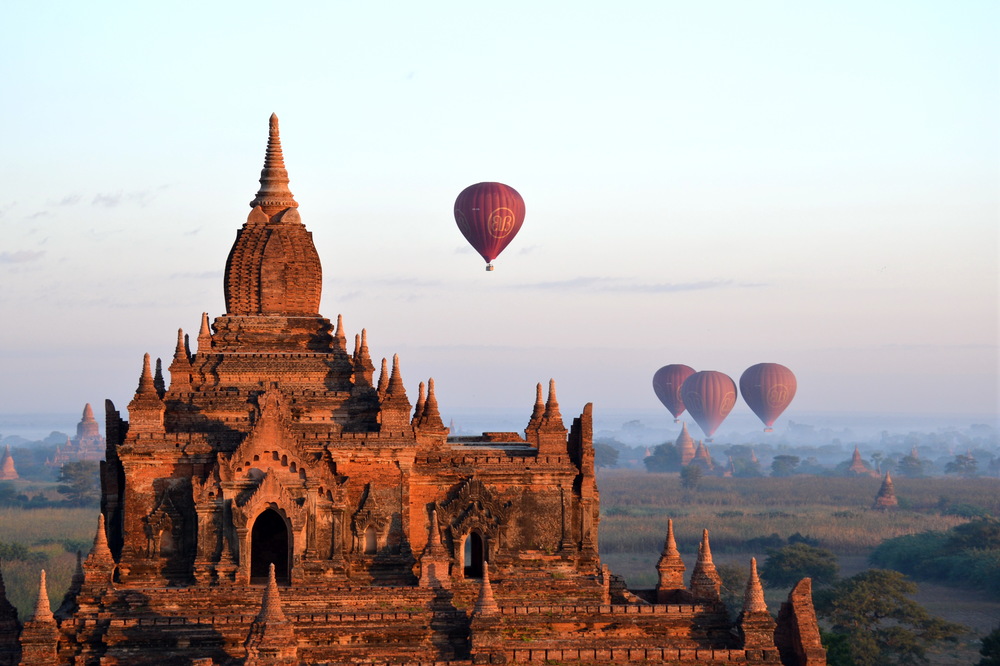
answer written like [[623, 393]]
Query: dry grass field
[[635, 507]]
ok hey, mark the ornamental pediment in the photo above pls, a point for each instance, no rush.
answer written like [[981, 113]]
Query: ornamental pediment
[[272, 444]]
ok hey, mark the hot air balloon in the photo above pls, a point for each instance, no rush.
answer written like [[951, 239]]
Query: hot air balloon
[[667, 386], [709, 396], [768, 388], [489, 215]]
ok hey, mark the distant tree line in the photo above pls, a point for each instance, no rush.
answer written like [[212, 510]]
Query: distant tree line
[[968, 555]]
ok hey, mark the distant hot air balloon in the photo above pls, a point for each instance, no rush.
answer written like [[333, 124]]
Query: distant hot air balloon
[[768, 388], [489, 215], [667, 386], [709, 396]]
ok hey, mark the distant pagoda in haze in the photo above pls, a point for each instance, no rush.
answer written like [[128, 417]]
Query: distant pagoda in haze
[[7, 470], [886, 498], [87, 445]]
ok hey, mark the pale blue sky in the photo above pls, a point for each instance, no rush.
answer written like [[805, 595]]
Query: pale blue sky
[[709, 183]]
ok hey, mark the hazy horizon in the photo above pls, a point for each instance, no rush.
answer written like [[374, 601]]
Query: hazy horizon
[[716, 184]]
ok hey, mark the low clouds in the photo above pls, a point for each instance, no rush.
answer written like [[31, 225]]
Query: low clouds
[[20, 256], [198, 275], [117, 198], [624, 286]]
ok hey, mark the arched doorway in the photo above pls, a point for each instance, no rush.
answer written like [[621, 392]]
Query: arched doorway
[[474, 555], [269, 544]]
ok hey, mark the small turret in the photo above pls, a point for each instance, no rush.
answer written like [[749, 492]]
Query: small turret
[[430, 415], [531, 430], [551, 431], [434, 560], [158, 382], [670, 568], [755, 626], [339, 336], [271, 639], [39, 637], [364, 369], [100, 564], [204, 335], [383, 380], [146, 408], [486, 604], [705, 580], [421, 400], [395, 412], [180, 365]]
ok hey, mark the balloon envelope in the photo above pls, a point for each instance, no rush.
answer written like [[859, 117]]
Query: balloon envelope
[[709, 396], [489, 215], [667, 386], [768, 388]]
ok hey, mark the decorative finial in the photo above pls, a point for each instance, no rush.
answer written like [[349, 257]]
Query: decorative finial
[[274, 195]]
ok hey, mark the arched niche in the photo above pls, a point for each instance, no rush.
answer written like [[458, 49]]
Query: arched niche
[[269, 543], [473, 555]]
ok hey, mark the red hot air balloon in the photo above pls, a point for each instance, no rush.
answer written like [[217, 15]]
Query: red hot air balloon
[[768, 388], [667, 386], [489, 215], [709, 396]]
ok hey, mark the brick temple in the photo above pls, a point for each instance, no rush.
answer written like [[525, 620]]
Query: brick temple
[[283, 501]]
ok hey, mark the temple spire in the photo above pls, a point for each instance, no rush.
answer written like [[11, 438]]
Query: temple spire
[[274, 195]]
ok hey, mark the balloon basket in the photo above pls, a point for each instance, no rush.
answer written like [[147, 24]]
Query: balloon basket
[[768, 429], [489, 267]]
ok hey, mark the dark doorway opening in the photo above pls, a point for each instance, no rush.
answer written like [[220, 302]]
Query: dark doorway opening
[[269, 544], [474, 555]]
